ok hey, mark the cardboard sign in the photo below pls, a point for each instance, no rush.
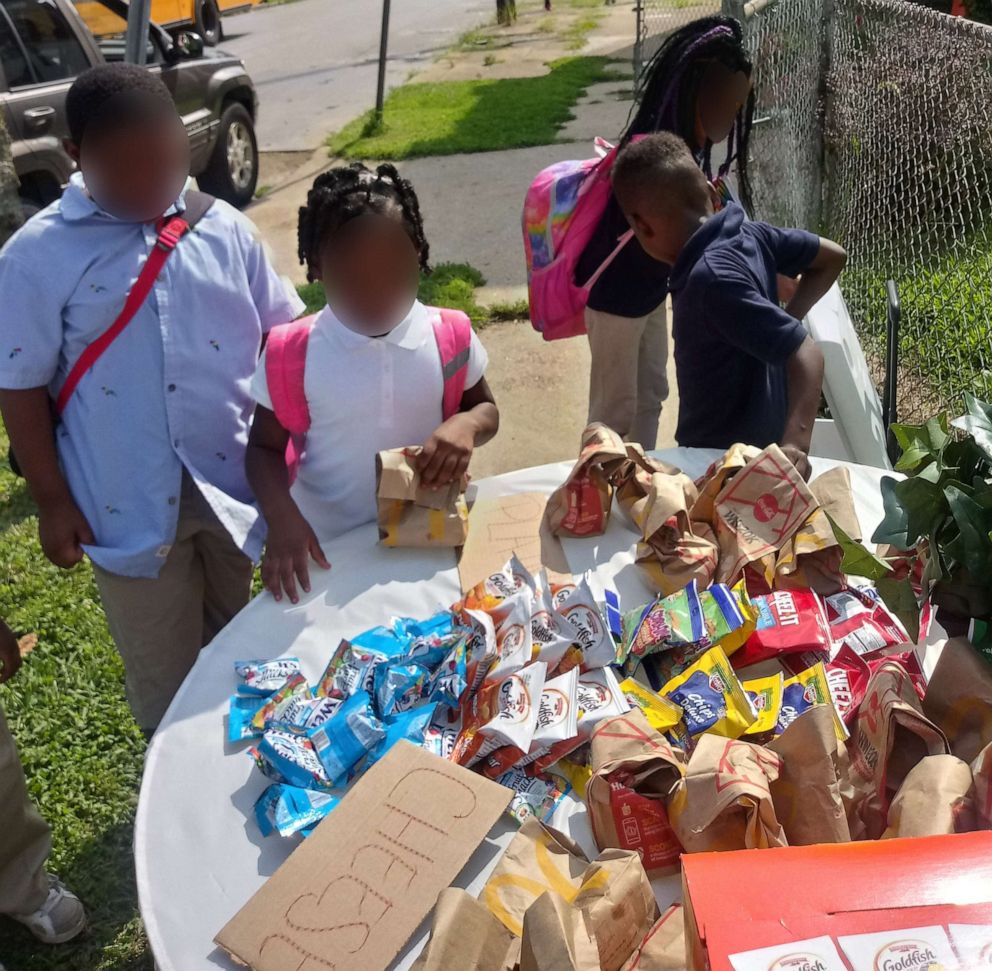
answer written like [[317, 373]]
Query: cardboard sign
[[354, 892], [504, 525]]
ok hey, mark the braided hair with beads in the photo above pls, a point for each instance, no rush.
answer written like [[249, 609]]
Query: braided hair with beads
[[672, 80], [343, 194]]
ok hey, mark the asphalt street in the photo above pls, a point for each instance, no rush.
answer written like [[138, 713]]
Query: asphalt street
[[315, 62]]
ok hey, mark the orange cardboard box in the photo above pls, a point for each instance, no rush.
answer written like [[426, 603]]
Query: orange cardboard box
[[746, 899]]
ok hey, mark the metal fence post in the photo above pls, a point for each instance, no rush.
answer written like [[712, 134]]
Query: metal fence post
[[136, 41], [380, 91]]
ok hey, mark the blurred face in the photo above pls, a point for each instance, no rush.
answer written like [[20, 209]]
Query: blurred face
[[722, 94], [371, 270], [663, 226], [135, 172]]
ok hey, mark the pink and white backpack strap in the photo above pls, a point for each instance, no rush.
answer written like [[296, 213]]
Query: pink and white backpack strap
[[285, 369], [453, 333]]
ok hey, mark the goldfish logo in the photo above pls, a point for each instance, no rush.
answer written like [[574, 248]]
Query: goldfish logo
[[554, 707], [907, 956], [514, 702], [801, 961], [592, 696], [513, 639]]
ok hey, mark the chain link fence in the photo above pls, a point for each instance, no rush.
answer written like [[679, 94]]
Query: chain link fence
[[874, 127], [656, 19]]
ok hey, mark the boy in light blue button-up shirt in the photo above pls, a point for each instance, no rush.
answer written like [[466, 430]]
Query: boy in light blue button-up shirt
[[145, 472]]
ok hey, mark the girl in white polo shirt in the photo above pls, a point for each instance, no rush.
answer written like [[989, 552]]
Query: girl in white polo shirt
[[374, 370]]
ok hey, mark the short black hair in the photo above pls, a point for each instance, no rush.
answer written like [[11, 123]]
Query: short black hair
[[114, 94], [344, 193], [660, 165]]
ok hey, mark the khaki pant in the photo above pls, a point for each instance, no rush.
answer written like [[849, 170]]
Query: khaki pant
[[629, 378], [25, 839], [160, 625]]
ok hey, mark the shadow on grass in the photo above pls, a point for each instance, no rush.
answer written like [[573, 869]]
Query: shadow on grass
[[102, 874]]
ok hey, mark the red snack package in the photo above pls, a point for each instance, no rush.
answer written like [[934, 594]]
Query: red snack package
[[860, 620], [908, 660], [789, 622], [848, 675]]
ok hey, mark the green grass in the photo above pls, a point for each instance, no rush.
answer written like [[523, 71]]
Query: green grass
[[473, 116], [577, 35], [81, 750], [450, 285]]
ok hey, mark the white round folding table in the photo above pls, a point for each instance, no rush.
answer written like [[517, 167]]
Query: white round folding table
[[199, 856]]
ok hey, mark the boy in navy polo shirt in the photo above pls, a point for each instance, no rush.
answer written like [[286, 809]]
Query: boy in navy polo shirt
[[747, 369]]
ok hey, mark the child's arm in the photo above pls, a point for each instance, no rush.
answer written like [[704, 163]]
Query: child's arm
[[804, 372], [291, 540], [817, 278], [447, 453], [62, 528], [10, 653]]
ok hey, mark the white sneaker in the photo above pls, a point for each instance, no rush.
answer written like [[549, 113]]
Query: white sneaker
[[59, 919]]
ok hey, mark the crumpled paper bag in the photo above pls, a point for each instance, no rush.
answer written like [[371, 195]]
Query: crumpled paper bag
[[410, 515], [959, 698], [557, 937], [936, 798], [614, 889], [807, 793], [725, 802], [464, 934], [634, 773], [981, 770], [712, 482], [890, 736], [581, 505], [663, 948]]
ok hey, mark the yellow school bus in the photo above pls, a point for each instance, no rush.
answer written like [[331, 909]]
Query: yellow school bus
[[204, 16]]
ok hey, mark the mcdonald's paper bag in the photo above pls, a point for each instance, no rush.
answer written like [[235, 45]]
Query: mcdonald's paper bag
[[634, 773], [959, 698], [464, 934], [663, 948], [807, 793], [981, 770], [712, 482], [936, 798], [890, 736], [725, 801], [557, 937], [410, 515], [759, 511], [581, 505], [614, 889]]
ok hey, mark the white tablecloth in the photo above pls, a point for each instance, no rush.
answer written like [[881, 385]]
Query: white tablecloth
[[198, 853]]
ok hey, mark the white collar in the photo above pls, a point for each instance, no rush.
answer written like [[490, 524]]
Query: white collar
[[76, 202]]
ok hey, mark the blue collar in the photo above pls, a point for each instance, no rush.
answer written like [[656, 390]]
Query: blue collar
[[724, 224], [77, 204]]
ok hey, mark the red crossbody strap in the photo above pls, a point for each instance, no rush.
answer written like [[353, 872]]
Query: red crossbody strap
[[169, 235]]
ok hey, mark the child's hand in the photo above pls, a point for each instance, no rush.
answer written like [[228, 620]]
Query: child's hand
[[446, 454], [800, 459], [287, 554], [10, 653], [63, 530]]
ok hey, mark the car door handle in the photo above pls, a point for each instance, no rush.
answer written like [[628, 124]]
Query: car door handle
[[38, 119]]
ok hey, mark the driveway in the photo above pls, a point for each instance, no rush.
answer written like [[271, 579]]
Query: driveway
[[315, 62]]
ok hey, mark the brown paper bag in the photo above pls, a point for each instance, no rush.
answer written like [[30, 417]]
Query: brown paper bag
[[981, 770], [936, 798], [634, 773], [712, 482], [663, 948], [807, 793], [581, 505], [410, 515], [724, 802], [890, 736], [759, 511], [464, 934], [557, 937], [614, 889], [959, 698]]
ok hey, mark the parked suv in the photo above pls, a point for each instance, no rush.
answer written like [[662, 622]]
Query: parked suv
[[44, 44]]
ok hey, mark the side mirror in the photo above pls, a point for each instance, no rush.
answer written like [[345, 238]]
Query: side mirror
[[188, 43]]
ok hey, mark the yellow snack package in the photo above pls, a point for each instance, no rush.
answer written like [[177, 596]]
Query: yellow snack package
[[661, 713], [806, 689], [738, 637], [711, 697], [765, 695], [575, 774]]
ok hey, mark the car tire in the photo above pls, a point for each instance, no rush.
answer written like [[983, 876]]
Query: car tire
[[208, 22], [232, 172]]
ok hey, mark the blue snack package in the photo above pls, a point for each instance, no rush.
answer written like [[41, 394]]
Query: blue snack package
[[341, 743], [352, 668], [614, 619], [432, 639], [265, 767], [287, 810], [399, 686], [242, 710], [533, 796], [264, 677], [295, 687], [294, 757], [448, 683], [410, 725], [302, 713]]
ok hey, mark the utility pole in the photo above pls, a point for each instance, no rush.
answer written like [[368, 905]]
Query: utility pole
[[136, 43], [380, 94]]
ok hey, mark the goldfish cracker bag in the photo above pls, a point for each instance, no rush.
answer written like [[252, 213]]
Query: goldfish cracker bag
[[514, 646], [802, 692], [765, 695], [593, 644], [711, 697], [662, 714], [550, 642]]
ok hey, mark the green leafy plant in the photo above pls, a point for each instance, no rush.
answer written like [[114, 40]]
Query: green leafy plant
[[943, 508]]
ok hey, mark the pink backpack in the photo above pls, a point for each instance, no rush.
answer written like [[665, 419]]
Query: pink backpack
[[563, 207], [285, 366]]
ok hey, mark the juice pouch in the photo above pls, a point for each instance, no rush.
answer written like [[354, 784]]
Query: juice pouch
[[787, 622], [410, 725], [802, 692], [241, 711], [354, 662], [287, 810], [343, 742], [765, 695], [448, 682], [532, 796], [661, 713], [302, 713], [593, 644], [296, 686], [398, 685], [294, 759], [711, 697], [264, 677]]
